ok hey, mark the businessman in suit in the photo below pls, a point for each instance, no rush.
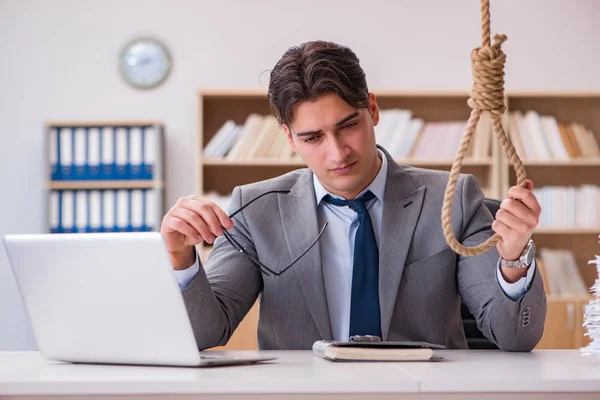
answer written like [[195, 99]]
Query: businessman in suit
[[353, 244]]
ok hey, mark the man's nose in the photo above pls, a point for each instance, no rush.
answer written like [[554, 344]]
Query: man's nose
[[338, 150]]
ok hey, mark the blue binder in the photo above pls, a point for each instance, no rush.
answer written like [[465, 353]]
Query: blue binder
[[66, 165], [59, 229], [136, 153], [122, 170], [56, 172], [108, 162], [144, 219], [80, 154], [93, 156]]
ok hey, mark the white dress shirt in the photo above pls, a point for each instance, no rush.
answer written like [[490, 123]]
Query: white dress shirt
[[337, 260]]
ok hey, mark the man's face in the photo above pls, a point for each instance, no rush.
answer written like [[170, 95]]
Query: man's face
[[337, 142]]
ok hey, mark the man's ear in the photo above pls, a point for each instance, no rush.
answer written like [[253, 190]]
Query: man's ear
[[290, 137], [373, 109]]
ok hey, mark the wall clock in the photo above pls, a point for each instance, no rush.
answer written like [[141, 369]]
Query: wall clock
[[145, 63]]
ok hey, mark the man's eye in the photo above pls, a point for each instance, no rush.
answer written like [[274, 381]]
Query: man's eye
[[350, 125], [310, 139]]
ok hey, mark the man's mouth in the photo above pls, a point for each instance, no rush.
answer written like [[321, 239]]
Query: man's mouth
[[344, 169]]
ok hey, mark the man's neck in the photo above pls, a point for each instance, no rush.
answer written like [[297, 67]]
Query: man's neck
[[375, 170]]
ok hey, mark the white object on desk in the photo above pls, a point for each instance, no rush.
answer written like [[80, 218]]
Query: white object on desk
[[104, 298], [476, 374]]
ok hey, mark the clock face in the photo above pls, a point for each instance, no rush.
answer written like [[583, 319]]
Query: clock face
[[144, 63]]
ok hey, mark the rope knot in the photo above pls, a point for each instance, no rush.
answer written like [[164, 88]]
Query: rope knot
[[487, 65]]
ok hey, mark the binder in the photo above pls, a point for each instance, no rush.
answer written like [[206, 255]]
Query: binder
[[54, 153], [144, 211], [136, 152], [151, 144], [81, 211], [108, 211], [66, 153], [107, 156], [79, 154], [60, 228], [54, 211], [94, 152], [137, 210], [68, 211], [122, 153], [123, 215], [150, 209], [95, 210]]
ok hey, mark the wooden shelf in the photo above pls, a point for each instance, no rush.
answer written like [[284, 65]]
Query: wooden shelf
[[91, 185], [557, 299], [255, 162], [568, 231], [577, 162], [299, 163], [101, 123]]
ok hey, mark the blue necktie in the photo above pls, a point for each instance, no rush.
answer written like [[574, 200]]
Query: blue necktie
[[365, 316]]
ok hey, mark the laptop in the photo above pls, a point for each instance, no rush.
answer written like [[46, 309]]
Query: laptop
[[107, 298]]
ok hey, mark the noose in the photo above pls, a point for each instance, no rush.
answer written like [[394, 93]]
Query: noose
[[487, 95]]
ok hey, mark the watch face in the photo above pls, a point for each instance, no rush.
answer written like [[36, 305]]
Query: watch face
[[530, 254], [144, 63]]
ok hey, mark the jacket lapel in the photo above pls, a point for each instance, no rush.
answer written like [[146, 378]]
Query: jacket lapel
[[401, 209], [298, 210]]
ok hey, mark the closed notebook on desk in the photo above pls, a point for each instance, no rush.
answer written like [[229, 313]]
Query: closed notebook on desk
[[376, 351]]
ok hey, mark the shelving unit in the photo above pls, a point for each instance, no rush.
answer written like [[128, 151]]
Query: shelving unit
[[94, 163], [221, 175], [495, 174], [565, 314]]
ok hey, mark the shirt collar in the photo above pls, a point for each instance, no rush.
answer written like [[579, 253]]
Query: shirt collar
[[377, 186]]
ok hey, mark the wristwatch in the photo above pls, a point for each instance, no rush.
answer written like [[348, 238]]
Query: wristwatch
[[524, 260]]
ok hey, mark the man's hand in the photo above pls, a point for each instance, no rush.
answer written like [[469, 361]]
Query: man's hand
[[517, 218], [189, 222]]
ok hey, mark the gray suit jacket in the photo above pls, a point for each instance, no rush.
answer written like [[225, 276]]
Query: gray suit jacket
[[421, 280]]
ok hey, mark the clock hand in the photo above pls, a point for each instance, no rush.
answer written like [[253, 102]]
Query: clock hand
[[144, 61]]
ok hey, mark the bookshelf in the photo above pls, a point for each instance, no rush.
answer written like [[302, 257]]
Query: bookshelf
[[104, 176], [495, 175], [565, 313]]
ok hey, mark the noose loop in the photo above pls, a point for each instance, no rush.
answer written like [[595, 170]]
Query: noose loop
[[487, 95]]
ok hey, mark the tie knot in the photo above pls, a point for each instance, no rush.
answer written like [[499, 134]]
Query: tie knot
[[359, 204]]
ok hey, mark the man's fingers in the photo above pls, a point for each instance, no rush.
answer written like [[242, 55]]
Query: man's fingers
[[515, 207], [501, 228], [511, 221], [525, 196], [528, 184], [224, 219], [211, 220], [194, 220], [208, 211], [177, 224]]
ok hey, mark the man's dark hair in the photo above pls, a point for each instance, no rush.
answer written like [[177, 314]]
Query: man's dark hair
[[313, 69]]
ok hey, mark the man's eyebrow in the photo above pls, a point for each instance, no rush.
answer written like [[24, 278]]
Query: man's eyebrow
[[340, 122]]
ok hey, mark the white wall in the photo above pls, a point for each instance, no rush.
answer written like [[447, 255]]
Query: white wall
[[58, 62]]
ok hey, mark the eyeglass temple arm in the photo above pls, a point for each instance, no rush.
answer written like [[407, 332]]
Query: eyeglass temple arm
[[309, 247], [256, 198], [241, 249]]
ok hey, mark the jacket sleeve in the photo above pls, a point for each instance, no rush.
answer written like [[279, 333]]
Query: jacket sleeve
[[513, 325], [225, 287]]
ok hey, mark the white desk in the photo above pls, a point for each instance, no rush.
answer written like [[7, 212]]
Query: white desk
[[300, 374]]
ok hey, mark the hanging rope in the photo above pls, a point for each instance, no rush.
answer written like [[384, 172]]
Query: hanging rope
[[487, 95]]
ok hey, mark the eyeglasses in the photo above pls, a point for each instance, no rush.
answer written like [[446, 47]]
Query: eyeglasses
[[263, 268]]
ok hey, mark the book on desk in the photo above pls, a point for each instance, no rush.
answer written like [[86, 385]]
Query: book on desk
[[376, 350]]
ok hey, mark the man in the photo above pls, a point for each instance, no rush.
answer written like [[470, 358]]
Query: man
[[381, 266]]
